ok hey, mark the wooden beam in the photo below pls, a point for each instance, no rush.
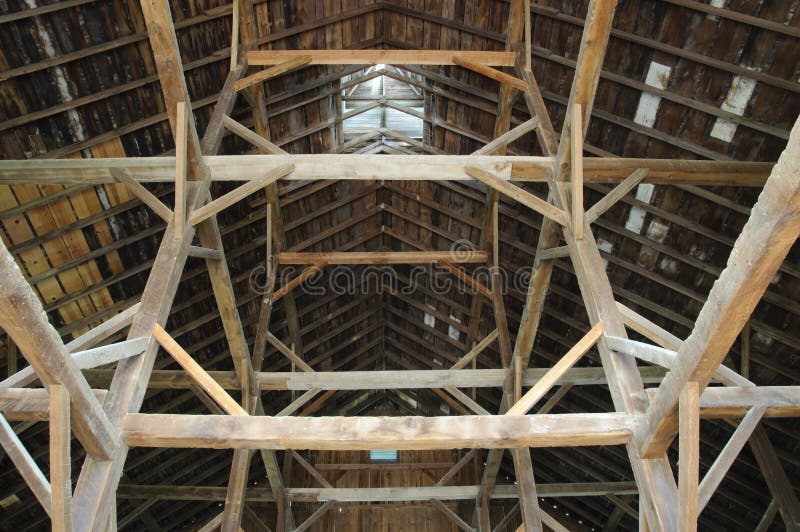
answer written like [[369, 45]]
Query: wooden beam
[[727, 456], [382, 257], [555, 373], [212, 208], [89, 358], [489, 72], [25, 464], [297, 281], [314, 517], [516, 193], [147, 197], [766, 238], [278, 69], [181, 164], [391, 494], [24, 320], [289, 353], [451, 515], [380, 57], [203, 379], [616, 194], [355, 433], [251, 136], [508, 137], [60, 461], [369, 167], [689, 457], [576, 175], [776, 478]]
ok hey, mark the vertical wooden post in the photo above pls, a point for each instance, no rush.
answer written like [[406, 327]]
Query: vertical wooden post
[[689, 456], [60, 461], [181, 147], [745, 352], [235, 35], [576, 140]]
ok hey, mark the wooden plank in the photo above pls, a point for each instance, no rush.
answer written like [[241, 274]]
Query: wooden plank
[[212, 208], [544, 385], [475, 351], [374, 494], [311, 470], [689, 457], [297, 281], [616, 194], [358, 433], [766, 238], [401, 167], [380, 57], [25, 464], [528, 498], [104, 330], [206, 253], [522, 196], [727, 456], [251, 136], [508, 137], [278, 69], [489, 72], [225, 102], [147, 197], [382, 257], [466, 278], [206, 382], [313, 518], [24, 320], [451, 515], [576, 167], [60, 461], [181, 165], [289, 353], [90, 358], [776, 478]]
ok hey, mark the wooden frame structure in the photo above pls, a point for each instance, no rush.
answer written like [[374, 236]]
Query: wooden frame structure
[[644, 423]]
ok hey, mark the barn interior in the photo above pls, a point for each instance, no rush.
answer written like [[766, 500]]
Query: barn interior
[[550, 234]]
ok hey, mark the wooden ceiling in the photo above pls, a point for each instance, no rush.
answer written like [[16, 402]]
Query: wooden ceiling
[[79, 80]]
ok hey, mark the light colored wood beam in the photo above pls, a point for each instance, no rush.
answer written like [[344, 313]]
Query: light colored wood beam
[[356, 433], [516, 193], [203, 379], [555, 373], [727, 456], [380, 57], [489, 72], [60, 461], [212, 208], [278, 69], [251, 136], [689, 457], [508, 137], [89, 358], [400, 167], [381, 257], [766, 238], [576, 167], [25, 321], [147, 197], [25, 464], [616, 194], [181, 164]]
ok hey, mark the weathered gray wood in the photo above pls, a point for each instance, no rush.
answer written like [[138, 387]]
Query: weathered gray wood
[[90, 358], [402, 167], [766, 238], [60, 461], [356, 433], [25, 464], [24, 320]]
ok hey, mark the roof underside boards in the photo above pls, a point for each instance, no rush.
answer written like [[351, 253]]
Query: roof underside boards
[[680, 80]]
